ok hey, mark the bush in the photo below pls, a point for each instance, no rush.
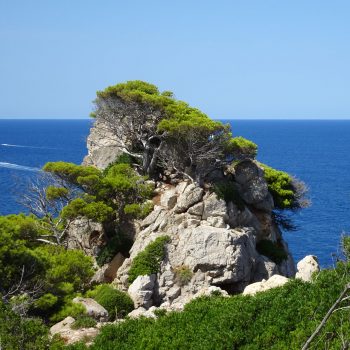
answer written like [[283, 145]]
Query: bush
[[148, 261], [242, 148], [138, 211], [273, 250], [117, 303], [118, 243], [83, 322], [227, 190], [183, 275]]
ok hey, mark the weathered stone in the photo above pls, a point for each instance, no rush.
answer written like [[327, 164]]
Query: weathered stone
[[189, 197], [93, 308], [141, 291], [62, 326], [272, 282], [247, 170], [142, 312], [173, 293], [307, 267], [197, 209], [213, 206], [216, 221], [86, 235], [264, 269], [103, 146], [169, 199], [152, 217]]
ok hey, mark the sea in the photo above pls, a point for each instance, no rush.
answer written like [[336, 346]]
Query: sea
[[314, 151]]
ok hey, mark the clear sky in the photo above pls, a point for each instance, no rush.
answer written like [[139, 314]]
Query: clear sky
[[232, 59]]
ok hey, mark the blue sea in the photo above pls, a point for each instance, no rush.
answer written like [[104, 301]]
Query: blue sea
[[316, 152]]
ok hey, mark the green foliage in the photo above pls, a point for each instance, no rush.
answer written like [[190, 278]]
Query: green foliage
[[117, 303], [183, 275], [96, 211], [124, 158], [21, 333], [138, 211], [241, 148], [148, 261], [346, 246], [227, 190], [281, 318], [118, 243], [69, 308], [54, 193], [83, 322], [273, 250]]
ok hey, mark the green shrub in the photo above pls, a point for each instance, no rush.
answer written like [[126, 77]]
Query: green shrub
[[118, 243], [183, 275], [117, 303], [69, 308], [148, 261], [273, 250], [242, 148], [83, 322], [227, 190], [139, 211]]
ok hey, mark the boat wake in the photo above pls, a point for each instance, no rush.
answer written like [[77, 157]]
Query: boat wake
[[17, 167], [23, 146]]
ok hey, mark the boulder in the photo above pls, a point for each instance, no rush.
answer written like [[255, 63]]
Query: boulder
[[307, 267], [142, 312], [264, 269], [191, 195], [141, 291], [264, 285], [168, 199], [93, 308]]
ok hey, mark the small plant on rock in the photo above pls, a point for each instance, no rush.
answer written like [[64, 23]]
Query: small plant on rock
[[183, 275]]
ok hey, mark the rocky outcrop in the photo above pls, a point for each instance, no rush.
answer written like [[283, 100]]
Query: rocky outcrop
[[93, 308], [71, 336], [212, 241], [272, 282], [86, 235], [103, 147], [307, 267]]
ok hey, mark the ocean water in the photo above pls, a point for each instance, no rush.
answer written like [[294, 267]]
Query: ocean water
[[316, 152]]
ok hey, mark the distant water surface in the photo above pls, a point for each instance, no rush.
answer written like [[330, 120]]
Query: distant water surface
[[316, 152]]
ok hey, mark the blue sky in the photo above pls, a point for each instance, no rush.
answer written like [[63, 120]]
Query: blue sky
[[232, 59]]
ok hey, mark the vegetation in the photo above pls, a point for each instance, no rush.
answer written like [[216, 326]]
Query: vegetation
[[273, 250], [148, 261], [183, 275], [160, 131], [83, 322], [117, 303], [287, 192], [227, 190], [281, 318]]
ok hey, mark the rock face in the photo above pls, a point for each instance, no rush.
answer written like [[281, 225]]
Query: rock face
[[103, 147], [272, 282], [307, 267], [212, 244], [86, 235], [93, 308]]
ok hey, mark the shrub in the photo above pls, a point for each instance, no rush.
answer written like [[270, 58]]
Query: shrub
[[138, 211], [83, 322], [227, 190], [183, 275], [273, 250], [242, 148], [117, 303], [148, 261], [118, 243]]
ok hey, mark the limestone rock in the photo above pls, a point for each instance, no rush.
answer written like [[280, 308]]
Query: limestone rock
[[93, 308], [264, 269], [169, 199], [142, 312], [141, 291], [62, 325], [86, 235], [103, 146], [213, 206], [191, 195], [307, 267], [246, 171], [264, 285]]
